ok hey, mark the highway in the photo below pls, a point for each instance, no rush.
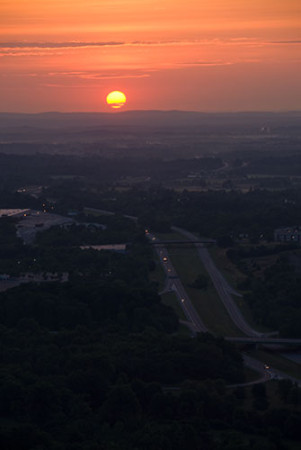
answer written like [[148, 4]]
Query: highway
[[265, 340], [194, 322], [222, 287], [175, 284], [196, 325]]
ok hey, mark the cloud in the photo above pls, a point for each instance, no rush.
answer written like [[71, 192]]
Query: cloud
[[89, 76], [286, 42], [15, 49], [41, 49], [78, 44], [48, 49], [108, 77], [45, 45], [85, 44], [30, 53], [84, 79], [206, 63], [92, 75]]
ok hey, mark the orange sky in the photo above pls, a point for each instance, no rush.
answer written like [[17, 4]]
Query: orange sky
[[213, 55]]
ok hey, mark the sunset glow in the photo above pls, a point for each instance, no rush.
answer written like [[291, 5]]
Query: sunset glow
[[212, 56], [116, 99]]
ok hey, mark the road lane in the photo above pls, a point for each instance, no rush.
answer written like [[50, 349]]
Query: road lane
[[175, 284]]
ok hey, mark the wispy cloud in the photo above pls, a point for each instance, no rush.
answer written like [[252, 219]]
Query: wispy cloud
[[83, 44], [30, 53], [39, 49], [286, 42], [93, 76], [206, 63], [85, 79], [214, 47], [17, 46], [75, 44]]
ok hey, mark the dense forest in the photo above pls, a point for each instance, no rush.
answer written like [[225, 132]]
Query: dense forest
[[100, 364], [90, 389], [210, 213], [275, 298]]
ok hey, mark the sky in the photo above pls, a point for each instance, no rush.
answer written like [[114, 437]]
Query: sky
[[213, 55]]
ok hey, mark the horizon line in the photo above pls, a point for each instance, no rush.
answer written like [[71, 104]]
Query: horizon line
[[243, 111]]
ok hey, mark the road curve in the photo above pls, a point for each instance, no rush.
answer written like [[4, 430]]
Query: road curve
[[257, 366], [194, 321], [268, 373], [222, 287]]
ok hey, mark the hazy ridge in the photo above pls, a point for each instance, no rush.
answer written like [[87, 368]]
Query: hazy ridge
[[151, 118]]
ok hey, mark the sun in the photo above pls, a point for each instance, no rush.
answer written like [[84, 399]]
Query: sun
[[116, 99]]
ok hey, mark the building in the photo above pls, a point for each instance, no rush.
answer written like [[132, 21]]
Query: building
[[14, 212], [120, 248], [288, 234]]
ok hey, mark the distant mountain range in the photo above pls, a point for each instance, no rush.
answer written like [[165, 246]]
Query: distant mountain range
[[149, 119]]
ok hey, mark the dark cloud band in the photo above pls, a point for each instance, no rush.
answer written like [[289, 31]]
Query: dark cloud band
[[14, 45]]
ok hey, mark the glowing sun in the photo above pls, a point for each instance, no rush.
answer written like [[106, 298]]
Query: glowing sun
[[116, 99]]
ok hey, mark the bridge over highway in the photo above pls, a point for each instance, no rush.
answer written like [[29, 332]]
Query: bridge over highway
[[182, 242], [265, 340]]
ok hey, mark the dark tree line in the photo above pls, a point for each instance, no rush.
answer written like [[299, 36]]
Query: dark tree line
[[275, 299]]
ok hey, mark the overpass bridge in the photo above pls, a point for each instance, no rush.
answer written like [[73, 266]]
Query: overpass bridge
[[265, 341], [158, 242]]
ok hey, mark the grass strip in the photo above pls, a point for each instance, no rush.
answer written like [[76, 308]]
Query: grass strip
[[234, 276], [158, 275], [170, 299], [207, 302]]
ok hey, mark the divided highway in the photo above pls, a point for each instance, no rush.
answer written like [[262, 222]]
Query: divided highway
[[222, 287], [224, 290], [267, 372]]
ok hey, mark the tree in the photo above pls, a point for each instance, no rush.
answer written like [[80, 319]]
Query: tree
[[121, 404], [259, 396]]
